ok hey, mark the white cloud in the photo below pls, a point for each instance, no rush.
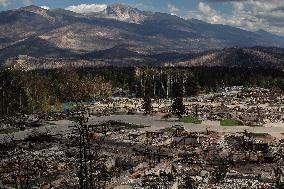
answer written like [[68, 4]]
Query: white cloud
[[173, 9], [206, 9], [4, 3], [251, 15], [208, 14], [45, 7], [256, 15], [27, 2], [87, 8]]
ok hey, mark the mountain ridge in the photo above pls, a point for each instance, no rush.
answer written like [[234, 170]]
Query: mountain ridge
[[58, 33], [121, 56]]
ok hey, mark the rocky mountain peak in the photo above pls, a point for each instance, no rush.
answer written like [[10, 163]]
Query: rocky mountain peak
[[124, 13], [34, 9], [121, 8]]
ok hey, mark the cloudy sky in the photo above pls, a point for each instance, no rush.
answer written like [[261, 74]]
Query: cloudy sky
[[247, 14]]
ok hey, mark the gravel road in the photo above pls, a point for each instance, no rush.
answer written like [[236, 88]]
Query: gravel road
[[155, 123]]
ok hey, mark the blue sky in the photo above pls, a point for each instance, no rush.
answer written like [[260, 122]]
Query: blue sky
[[247, 14]]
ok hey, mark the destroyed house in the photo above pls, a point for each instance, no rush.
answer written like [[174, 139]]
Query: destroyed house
[[183, 138], [250, 120]]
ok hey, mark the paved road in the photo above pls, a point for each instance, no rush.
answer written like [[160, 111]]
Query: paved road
[[155, 123]]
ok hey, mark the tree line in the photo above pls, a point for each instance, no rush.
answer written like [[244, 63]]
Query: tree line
[[45, 90], [166, 82]]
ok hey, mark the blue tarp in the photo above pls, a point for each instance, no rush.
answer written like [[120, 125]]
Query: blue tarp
[[68, 106]]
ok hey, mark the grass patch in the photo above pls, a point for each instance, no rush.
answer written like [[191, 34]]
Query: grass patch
[[119, 124], [230, 122], [190, 119]]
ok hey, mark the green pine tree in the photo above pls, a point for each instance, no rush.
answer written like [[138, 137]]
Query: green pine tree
[[147, 105], [178, 108]]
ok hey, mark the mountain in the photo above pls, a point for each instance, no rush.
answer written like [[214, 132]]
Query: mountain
[[122, 13], [266, 34], [120, 34], [121, 56], [236, 57]]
